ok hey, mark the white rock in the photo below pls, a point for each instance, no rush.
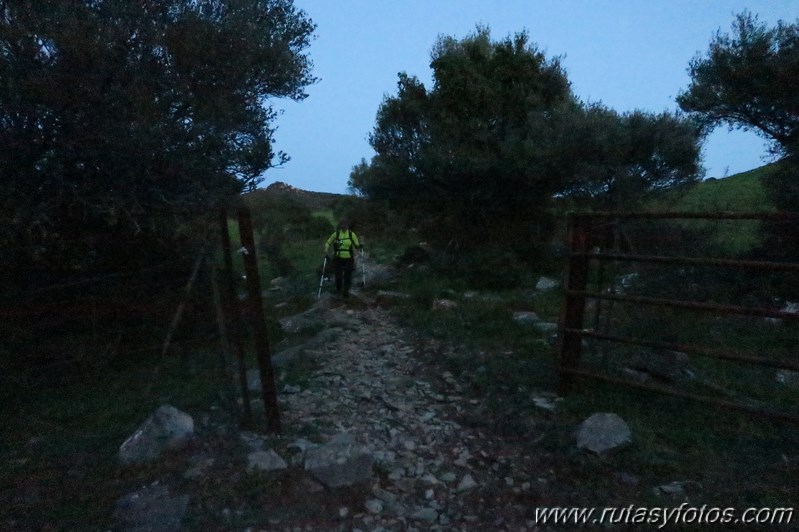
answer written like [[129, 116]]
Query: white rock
[[526, 317], [340, 462], [449, 477], [265, 461], [678, 487], [444, 304], [463, 459], [429, 478], [466, 483], [425, 514], [167, 428], [546, 283], [546, 403], [374, 506], [602, 432]]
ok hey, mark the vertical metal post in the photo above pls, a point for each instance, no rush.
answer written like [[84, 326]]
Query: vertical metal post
[[232, 300], [257, 318], [574, 305]]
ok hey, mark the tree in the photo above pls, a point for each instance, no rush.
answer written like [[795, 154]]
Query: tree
[[400, 139], [114, 112], [748, 80], [617, 161], [472, 152], [483, 153]]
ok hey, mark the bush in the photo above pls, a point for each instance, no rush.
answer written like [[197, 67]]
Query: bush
[[486, 269]]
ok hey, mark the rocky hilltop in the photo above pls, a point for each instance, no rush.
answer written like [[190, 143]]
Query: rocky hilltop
[[312, 200]]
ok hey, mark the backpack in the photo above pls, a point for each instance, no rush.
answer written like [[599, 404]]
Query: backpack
[[342, 243]]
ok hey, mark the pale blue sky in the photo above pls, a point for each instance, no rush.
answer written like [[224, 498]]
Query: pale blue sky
[[628, 54]]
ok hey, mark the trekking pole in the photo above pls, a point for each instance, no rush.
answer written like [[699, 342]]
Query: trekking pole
[[363, 268], [322, 280]]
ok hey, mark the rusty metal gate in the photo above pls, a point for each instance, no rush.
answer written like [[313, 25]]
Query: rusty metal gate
[[600, 250]]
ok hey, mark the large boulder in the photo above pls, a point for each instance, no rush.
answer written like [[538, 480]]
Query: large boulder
[[340, 462], [546, 284], [265, 461], [167, 428], [603, 432]]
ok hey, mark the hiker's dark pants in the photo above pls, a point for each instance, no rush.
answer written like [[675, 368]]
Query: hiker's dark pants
[[343, 271]]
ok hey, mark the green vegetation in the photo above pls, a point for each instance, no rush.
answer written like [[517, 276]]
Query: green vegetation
[[504, 363], [479, 157], [167, 118], [59, 446], [744, 192], [740, 82], [739, 460], [112, 114]]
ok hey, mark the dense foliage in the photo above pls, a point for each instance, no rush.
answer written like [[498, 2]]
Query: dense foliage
[[748, 80], [617, 162], [473, 151], [113, 113], [123, 125], [483, 154]]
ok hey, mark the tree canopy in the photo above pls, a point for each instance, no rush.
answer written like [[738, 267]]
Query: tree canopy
[[111, 111], [473, 148], [618, 161], [500, 134], [748, 80]]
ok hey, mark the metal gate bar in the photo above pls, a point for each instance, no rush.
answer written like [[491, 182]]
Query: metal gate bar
[[692, 350], [570, 327], [691, 305], [695, 261], [673, 215], [729, 405]]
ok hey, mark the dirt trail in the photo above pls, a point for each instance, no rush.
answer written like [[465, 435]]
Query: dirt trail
[[377, 382], [443, 458]]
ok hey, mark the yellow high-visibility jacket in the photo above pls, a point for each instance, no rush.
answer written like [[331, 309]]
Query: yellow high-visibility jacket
[[344, 243]]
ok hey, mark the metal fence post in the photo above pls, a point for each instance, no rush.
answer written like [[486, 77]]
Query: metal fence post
[[233, 305], [571, 318], [257, 318]]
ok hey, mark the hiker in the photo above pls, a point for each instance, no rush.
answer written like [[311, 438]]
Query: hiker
[[344, 243]]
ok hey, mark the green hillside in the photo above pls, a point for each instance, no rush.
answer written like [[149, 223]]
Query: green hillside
[[744, 192]]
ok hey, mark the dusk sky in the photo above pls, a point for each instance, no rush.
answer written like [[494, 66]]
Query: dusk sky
[[627, 54]]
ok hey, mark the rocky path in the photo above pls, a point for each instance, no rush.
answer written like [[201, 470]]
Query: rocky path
[[378, 388], [377, 436]]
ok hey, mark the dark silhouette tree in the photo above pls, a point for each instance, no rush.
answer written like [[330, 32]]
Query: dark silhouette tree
[[113, 112], [618, 162], [748, 80], [471, 153], [483, 152]]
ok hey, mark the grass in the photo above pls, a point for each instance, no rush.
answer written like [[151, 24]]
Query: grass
[[739, 460], [743, 192], [61, 444], [58, 446], [326, 214]]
